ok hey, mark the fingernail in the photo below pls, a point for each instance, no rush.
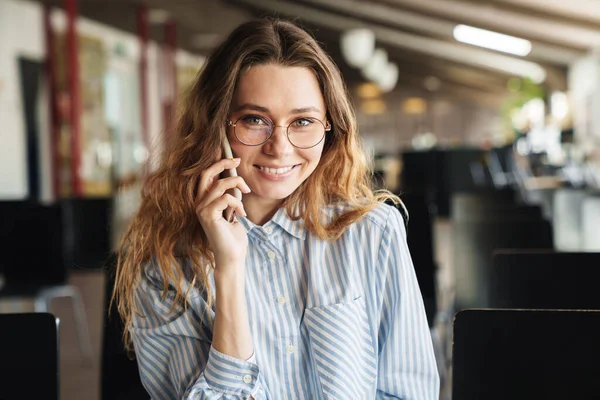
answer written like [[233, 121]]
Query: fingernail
[[247, 188], [237, 160]]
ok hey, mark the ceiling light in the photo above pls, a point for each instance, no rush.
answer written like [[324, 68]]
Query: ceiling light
[[492, 40], [388, 79], [376, 65], [373, 107], [536, 74], [414, 106], [357, 46], [368, 90], [432, 83]]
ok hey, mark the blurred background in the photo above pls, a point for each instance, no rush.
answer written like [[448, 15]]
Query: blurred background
[[484, 115]]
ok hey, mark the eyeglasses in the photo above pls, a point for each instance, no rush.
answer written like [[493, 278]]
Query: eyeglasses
[[303, 133]]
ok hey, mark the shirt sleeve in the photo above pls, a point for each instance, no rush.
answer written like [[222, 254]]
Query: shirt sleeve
[[407, 366], [174, 353]]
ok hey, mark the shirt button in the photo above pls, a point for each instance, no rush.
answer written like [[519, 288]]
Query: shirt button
[[269, 229], [291, 349], [281, 299], [271, 255], [247, 379]]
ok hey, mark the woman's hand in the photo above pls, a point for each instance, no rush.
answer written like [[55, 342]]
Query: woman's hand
[[229, 243], [228, 240]]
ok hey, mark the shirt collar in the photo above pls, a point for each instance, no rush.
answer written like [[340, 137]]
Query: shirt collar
[[282, 219]]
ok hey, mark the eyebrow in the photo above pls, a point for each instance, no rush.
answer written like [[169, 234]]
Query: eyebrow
[[254, 107]]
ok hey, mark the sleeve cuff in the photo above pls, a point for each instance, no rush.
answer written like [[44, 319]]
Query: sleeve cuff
[[230, 375]]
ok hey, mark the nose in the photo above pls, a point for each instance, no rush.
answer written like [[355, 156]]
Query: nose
[[278, 144]]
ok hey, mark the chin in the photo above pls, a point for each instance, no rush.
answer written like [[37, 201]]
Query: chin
[[275, 194]]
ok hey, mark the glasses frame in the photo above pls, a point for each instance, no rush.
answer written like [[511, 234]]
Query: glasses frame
[[326, 126]]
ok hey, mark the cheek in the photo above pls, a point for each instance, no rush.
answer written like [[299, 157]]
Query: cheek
[[246, 153], [315, 159], [245, 169], [237, 149], [314, 155]]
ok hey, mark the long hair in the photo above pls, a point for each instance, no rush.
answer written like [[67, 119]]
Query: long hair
[[166, 226]]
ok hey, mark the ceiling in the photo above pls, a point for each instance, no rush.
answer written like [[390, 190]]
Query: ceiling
[[417, 34]]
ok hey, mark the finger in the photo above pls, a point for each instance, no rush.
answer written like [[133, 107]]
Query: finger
[[208, 176], [211, 173], [237, 193], [214, 211], [222, 186]]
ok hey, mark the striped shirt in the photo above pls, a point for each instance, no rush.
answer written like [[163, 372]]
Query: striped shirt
[[337, 319]]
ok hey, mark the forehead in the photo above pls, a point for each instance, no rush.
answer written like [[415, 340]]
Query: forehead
[[278, 88]]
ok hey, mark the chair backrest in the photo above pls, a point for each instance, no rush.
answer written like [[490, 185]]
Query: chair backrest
[[32, 244], [445, 172], [420, 171], [29, 356], [526, 354], [545, 280], [120, 376], [474, 243], [421, 211], [87, 231]]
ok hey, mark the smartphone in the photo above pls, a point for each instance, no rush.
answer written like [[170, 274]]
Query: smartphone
[[236, 192]]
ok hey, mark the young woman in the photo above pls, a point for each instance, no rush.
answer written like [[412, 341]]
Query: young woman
[[310, 292]]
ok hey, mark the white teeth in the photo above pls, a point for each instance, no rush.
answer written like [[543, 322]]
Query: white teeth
[[276, 171]]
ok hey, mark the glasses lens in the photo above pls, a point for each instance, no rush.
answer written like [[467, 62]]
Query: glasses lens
[[306, 132], [253, 130]]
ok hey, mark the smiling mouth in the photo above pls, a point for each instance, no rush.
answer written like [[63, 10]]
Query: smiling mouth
[[276, 171]]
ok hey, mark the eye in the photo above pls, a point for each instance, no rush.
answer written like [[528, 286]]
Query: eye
[[303, 122], [254, 120]]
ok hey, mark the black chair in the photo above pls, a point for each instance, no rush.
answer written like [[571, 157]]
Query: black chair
[[421, 211], [474, 243], [545, 280], [35, 263], [482, 222], [120, 376], [443, 172], [526, 354], [29, 356], [32, 246], [88, 231]]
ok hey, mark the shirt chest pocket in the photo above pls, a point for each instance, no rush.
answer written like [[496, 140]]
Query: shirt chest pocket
[[342, 348]]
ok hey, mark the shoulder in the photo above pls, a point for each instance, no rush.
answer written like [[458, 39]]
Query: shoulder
[[383, 217], [387, 217]]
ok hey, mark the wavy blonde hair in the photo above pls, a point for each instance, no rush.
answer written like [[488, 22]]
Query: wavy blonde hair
[[166, 227]]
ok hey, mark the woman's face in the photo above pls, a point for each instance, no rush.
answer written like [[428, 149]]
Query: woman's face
[[283, 95]]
